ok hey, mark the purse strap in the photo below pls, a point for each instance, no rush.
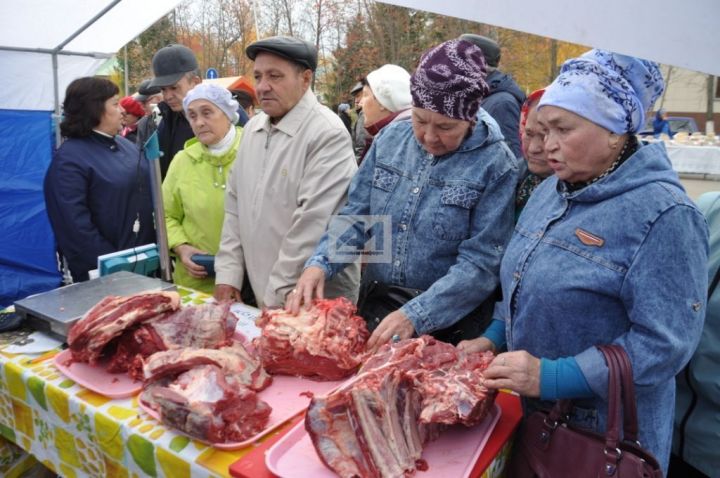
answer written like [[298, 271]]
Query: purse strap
[[630, 426], [621, 389], [612, 432]]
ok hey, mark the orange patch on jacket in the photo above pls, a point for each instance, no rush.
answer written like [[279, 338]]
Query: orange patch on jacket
[[589, 239]]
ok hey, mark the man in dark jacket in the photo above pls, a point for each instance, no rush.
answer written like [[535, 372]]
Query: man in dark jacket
[[505, 99], [176, 72]]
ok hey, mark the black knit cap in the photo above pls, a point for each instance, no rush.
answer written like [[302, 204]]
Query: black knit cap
[[294, 49], [489, 47]]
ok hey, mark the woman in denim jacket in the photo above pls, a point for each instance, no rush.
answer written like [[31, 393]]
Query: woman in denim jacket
[[609, 250], [446, 185]]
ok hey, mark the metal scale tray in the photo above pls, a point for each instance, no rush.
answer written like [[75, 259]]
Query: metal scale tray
[[55, 311]]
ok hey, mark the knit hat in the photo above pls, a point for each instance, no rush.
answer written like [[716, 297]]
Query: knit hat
[[611, 90], [450, 80], [489, 47], [132, 106], [216, 95], [343, 107], [391, 86]]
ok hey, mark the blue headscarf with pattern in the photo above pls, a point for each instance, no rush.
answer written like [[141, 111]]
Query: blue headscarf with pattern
[[611, 90]]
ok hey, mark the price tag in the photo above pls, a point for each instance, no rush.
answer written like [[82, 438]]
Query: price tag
[[246, 316]]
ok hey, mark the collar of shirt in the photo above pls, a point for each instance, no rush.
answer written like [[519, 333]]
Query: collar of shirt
[[293, 119]]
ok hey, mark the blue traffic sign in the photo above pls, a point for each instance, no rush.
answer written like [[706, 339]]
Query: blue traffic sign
[[211, 73]]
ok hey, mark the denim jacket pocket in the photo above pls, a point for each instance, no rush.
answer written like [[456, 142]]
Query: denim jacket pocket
[[385, 178], [452, 219]]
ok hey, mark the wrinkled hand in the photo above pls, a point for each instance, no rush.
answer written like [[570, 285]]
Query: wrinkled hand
[[311, 284], [518, 371], [226, 293], [184, 253], [480, 344], [395, 323]]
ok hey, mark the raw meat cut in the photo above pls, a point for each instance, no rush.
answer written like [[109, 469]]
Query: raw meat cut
[[113, 315], [240, 368], [207, 401], [325, 342], [201, 326], [376, 424]]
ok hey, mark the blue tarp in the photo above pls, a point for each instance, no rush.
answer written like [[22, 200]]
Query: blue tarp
[[27, 244]]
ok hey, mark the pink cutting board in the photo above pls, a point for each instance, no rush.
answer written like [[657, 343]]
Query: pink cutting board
[[96, 378], [287, 396], [453, 455]]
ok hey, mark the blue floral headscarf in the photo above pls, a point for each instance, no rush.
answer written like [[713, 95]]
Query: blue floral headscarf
[[611, 90]]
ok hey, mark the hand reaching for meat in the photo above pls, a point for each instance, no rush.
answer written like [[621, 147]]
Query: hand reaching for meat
[[480, 344], [227, 293], [394, 324], [518, 371], [310, 285], [184, 253]]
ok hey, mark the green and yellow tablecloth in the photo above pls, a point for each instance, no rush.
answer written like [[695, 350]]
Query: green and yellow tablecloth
[[77, 433]]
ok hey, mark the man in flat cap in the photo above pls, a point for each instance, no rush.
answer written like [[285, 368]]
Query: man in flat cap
[[505, 98], [148, 96], [176, 72], [358, 129], [291, 175]]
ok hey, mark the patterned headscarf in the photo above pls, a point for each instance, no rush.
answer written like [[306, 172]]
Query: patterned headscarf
[[530, 101], [450, 80], [611, 90]]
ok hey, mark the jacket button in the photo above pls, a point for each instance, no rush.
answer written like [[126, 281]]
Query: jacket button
[[516, 276], [415, 190], [397, 263], [403, 227]]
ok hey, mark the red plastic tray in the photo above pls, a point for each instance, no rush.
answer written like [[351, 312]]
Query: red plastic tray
[[453, 454]]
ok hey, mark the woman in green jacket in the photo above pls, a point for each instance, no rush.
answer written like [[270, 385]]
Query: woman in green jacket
[[194, 188]]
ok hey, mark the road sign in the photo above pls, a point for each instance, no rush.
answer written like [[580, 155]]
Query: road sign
[[211, 73]]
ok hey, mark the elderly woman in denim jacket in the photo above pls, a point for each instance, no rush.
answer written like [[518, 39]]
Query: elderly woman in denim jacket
[[447, 184], [608, 250]]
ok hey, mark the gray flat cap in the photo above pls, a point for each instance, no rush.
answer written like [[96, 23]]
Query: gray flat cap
[[357, 88], [489, 47], [299, 51], [170, 63], [145, 91]]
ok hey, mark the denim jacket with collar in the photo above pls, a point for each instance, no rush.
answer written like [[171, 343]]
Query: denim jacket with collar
[[451, 218], [623, 260]]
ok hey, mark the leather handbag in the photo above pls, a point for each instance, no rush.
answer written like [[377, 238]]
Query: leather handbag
[[549, 446]]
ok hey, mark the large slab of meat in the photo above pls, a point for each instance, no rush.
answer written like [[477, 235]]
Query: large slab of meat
[[208, 326], [324, 342], [209, 394], [111, 317], [376, 424]]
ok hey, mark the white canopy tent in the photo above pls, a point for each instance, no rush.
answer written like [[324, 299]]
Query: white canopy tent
[[683, 34], [44, 45]]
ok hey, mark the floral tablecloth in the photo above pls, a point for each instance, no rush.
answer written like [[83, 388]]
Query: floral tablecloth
[[77, 433]]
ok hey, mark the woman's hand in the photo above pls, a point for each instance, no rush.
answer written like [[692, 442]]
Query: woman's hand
[[184, 253], [227, 293], [518, 371], [395, 323], [480, 344], [311, 284]]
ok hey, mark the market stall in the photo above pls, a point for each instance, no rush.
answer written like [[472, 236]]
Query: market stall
[[77, 432]]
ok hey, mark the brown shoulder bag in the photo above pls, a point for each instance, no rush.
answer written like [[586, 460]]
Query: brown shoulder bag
[[549, 447]]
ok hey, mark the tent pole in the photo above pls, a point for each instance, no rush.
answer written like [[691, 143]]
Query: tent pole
[[56, 93]]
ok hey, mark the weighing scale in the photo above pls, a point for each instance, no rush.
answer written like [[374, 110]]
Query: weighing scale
[[54, 312]]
